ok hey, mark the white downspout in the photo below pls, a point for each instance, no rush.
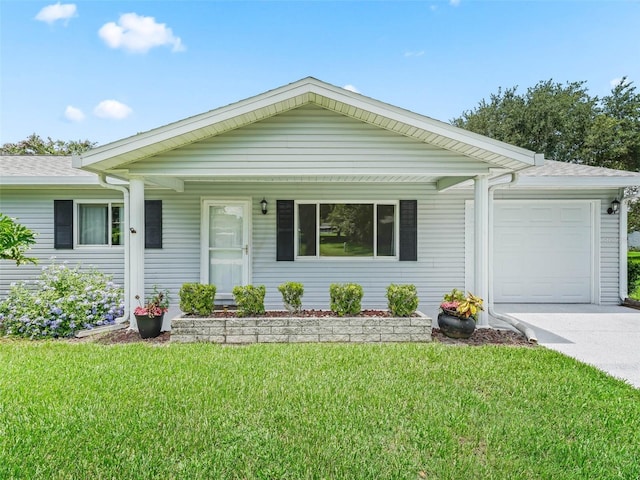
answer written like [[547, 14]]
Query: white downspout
[[623, 281], [514, 322], [125, 234]]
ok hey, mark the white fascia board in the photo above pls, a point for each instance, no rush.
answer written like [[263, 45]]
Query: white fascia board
[[578, 182]]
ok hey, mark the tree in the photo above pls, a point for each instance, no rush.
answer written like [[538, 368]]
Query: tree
[[35, 145], [15, 240], [566, 124]]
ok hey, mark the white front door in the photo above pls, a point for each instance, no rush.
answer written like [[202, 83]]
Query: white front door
[[225, 245]]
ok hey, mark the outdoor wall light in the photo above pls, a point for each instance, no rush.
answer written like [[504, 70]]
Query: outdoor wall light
[[263, 206], [614, 208]]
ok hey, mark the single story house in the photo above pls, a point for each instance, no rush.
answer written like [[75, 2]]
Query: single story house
[[317, 184]]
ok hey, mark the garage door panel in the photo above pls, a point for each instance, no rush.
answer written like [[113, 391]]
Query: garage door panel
[[543, 253]]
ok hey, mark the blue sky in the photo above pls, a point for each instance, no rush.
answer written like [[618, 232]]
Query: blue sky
[[104, 70]]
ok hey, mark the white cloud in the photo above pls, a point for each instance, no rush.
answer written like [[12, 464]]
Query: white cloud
[[615, 82], [351, 88], [138, 34], [454, 3], [73, 114], [51, 13], [112, 109], [414, 54]]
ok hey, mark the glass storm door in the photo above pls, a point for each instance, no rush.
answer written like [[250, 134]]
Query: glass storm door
[[226, 238]]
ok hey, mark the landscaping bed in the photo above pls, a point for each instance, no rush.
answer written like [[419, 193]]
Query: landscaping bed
[[483, 336]]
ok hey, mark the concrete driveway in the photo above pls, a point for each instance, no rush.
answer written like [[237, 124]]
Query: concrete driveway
[[607, 337]]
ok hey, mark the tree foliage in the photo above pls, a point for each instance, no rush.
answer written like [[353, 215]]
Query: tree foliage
[[567, 124], [15, 240], [564, 122], [36, 145]]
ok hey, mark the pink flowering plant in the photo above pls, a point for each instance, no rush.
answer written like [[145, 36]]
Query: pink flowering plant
[[155, 305], [457, 304]]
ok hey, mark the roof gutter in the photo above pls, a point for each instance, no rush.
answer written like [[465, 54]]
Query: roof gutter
[[514, 322], [125, 230]]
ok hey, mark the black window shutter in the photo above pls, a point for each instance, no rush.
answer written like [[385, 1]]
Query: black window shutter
[[284, 230], [409, 230], [153, 223], [63, 224]]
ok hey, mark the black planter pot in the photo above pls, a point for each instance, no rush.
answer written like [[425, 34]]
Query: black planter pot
[[149, 327], [456, 327]]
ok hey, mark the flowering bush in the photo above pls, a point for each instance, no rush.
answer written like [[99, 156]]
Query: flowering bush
[[155, 305], [60, 302], [457, 304]]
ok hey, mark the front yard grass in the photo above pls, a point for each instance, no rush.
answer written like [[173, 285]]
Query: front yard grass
[[200, 411]]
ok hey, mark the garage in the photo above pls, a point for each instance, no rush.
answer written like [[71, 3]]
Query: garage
[[544, 251]]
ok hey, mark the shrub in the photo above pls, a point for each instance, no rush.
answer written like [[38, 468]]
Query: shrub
[[402, 300], [633, 274], [345, 298], [60, 302], [249, 299], [197, 299], [292, 296]]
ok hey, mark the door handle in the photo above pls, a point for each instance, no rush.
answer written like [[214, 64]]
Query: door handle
[[246, 249]]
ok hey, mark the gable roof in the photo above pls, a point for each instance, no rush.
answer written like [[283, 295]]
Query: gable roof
[[306, 91]]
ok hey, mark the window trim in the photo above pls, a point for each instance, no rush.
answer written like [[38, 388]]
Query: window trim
[[374, 257], [76, 223]]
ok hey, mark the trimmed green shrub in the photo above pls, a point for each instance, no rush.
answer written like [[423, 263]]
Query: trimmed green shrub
[[292, 296], [249, 299], [197, 299], [62, 301], [633, 274], [345, 298], [402, 299]]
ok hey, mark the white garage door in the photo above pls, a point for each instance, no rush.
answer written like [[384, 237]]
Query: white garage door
[[543, 252]]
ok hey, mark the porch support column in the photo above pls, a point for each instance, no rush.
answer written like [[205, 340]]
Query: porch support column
[[136, 255], [481, 244]]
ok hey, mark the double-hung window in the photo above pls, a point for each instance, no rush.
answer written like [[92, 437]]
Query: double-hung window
[[99, 223], [344, 229]]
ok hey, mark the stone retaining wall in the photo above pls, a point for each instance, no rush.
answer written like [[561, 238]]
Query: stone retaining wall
[[301, 329]]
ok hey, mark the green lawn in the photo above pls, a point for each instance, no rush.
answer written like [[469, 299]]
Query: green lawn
[[634, 287], [76, 411]]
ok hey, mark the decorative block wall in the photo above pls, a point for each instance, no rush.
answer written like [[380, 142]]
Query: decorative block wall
[[301, 329]]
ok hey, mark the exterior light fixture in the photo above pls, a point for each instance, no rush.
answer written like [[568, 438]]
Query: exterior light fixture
[[614, 208], [263, 206]]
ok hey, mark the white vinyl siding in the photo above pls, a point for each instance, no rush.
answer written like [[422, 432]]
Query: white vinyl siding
[[308, 141], [34, 209], [439, 268], [441, 239]]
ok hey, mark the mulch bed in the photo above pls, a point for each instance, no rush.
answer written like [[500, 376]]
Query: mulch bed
[[484, 336]]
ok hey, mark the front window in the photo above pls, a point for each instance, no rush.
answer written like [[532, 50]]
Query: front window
[[100, 224], [346, 230]]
